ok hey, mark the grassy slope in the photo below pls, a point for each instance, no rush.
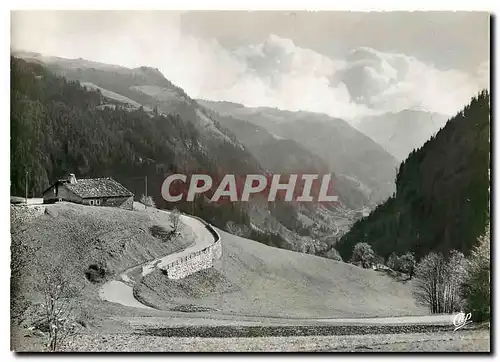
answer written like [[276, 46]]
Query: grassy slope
[[254, 279], [251, 278], [76, 236]]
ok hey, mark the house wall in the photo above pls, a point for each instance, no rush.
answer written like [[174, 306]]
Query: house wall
[[61, 192], [49, 196], [57, 192], [121, 202]]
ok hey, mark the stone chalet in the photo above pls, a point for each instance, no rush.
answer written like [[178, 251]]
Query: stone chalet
[[91, 191]]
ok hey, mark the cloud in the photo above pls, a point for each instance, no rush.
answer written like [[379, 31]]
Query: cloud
[[274, 73], [278, 73], [392, 82]]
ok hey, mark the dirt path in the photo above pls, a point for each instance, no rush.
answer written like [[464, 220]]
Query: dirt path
[[203, 239], [428, 319], [205, 319], [121, 291]]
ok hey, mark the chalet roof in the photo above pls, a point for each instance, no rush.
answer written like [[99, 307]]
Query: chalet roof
[[96, 187]]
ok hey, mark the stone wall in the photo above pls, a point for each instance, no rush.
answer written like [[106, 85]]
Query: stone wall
[[196, 261]]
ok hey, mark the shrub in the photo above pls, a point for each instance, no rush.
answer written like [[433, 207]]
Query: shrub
[[333, 254], [378, 261], [96, 273], [393, 262], [161, 233], [236, 229], [85, 318], [148, 201], [407, 264], [363, 254], [58, 294]]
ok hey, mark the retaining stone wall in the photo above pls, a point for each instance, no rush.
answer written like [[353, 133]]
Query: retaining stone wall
[[196, 261]]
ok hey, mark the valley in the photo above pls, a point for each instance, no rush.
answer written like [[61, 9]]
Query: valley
[[256, 273]]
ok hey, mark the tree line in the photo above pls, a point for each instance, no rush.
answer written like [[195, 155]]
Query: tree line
[[57, 128], [442, 193], [443, 283]]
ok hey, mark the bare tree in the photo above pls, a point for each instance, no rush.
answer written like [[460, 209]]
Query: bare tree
[[58, 306], [455, 278], [438, 282], [148, 201], [428, 281], [23, 253], [175, 222], [478, 288]]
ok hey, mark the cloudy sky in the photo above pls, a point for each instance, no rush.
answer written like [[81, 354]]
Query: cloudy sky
[[340, 63]]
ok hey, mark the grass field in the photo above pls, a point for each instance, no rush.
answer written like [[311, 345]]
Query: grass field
[[75, 237], [255, 279], [256, 298], [465, 341]]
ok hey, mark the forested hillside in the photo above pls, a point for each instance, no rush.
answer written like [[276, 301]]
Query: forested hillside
[[442, 197], [355, 158], [57, 127], [283, 155]]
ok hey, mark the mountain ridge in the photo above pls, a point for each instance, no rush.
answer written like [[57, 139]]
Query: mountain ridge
[[402, 132], [343, 148], [153, 142]]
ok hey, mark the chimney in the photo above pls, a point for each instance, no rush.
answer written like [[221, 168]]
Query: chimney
[[72, 178]]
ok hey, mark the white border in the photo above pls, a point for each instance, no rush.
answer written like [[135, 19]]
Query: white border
[[353, 5]]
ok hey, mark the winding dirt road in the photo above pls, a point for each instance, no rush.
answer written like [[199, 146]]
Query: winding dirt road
[[121, 291]]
